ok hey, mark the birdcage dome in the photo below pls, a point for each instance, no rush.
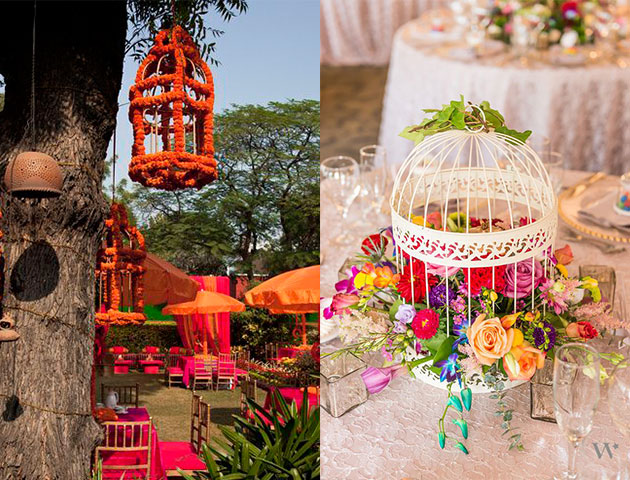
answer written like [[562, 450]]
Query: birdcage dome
[[473, 199]]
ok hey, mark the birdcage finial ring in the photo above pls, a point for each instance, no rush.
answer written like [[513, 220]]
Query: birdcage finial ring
[[482, 116]]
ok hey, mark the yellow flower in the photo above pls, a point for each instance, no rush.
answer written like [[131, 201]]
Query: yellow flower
[[419, 220], [563, 270]]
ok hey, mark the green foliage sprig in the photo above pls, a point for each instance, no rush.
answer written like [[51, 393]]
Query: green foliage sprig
[[457, 115], [492, 378]]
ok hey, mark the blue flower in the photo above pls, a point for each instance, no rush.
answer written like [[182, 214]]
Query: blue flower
[[460, 329], [450, 368]]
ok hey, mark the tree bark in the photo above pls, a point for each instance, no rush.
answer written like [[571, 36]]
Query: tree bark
[[46, 427]]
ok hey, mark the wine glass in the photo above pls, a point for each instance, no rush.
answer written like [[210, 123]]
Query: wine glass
[[575, 395], [373, 168], [619, 398], [340, 176]]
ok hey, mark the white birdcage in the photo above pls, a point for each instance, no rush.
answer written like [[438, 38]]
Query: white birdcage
[[485, 175]]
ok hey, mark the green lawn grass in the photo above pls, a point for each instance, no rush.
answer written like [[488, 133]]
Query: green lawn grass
[[170, 407]]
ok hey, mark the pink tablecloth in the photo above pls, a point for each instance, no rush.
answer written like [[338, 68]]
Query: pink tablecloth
[[291, 394], [157, 473]]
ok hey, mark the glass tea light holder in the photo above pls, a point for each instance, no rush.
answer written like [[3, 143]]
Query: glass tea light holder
[[541, 392], [622, 203], [342, 388]]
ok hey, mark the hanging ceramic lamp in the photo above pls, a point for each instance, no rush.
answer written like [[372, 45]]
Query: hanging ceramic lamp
[[33, 175], [171, 111]]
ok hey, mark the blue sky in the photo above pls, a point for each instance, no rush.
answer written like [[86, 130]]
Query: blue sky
[[271, 53]]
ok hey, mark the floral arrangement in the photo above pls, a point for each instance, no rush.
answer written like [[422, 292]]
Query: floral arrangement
[[507, 330], [550, 20], [115, 262], [172, 64]]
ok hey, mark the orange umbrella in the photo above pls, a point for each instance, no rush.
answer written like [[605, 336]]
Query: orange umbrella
[[296, 291], [204, 303], [165, 283]]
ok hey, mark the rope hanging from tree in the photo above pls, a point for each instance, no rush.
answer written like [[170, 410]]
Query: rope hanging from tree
[[170, 108]]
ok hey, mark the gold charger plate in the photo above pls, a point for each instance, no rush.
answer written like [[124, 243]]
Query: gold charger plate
[[570, 201]]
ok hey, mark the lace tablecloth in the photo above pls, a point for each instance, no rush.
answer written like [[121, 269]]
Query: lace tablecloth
[[583, 110], [394, 434], [360, 32]]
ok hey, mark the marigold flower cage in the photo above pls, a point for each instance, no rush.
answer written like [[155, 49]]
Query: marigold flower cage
[[170, 108], [120, 272], [501, 186]]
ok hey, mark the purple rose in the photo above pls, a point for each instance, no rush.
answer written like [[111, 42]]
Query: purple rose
[[405, 313], [524, 284]]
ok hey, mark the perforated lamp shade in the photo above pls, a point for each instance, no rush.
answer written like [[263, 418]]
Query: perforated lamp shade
[[205, 303], [33, 175], [296, 291]]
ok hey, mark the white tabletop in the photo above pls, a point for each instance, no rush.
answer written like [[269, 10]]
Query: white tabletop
[[394, 434], [584, 110]]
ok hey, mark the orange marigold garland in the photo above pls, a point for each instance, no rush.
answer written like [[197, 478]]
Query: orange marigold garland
[[117, 262], [172, 83]]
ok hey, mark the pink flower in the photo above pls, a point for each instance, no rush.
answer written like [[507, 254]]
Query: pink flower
[[340, 304], [529, 274], [441, 270]]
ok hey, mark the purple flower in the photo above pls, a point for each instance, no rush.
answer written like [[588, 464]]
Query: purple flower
[[544, 336], [347, 285], [458, 304], [529, 274], [400, 327], [438, 295], [405, 313]]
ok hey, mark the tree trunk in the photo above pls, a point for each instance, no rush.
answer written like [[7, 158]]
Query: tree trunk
[[46, 427]]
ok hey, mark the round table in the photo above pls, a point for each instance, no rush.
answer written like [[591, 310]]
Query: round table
[[394, 434], [584, 110]]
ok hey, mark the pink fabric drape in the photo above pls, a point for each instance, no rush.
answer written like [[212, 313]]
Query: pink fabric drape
[[215, 328]]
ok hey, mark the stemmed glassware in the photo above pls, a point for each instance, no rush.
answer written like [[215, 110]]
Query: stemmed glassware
[[374, 176], [340, 175], [575, 395]]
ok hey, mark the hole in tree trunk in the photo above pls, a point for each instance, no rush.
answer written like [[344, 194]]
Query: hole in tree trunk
[[35, 275], [12, 409]]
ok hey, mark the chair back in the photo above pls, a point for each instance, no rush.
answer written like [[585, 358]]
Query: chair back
[[128, 395], [203, 431], [132, 438], [195, 412], [172, 360], [271, 351], [203, 366], [226, 365], [249, 390]]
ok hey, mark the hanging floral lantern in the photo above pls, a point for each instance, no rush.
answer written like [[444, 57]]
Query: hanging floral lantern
[[171, 112], [119, 272]]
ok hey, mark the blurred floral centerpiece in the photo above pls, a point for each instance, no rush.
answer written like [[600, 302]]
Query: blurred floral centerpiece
[[543, 23], [447, 320]]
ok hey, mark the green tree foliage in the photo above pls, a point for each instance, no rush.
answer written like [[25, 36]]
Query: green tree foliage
[[261, 215]]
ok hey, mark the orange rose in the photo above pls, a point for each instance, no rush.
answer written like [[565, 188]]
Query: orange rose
[[522, 361], [489, 340]]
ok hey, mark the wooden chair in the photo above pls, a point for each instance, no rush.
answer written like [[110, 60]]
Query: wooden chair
[[271, 352], [202, 373], [128, 395], [241, 360], [249, 390], [226, 370], [185, 455], [173, 373], [126, 447]]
